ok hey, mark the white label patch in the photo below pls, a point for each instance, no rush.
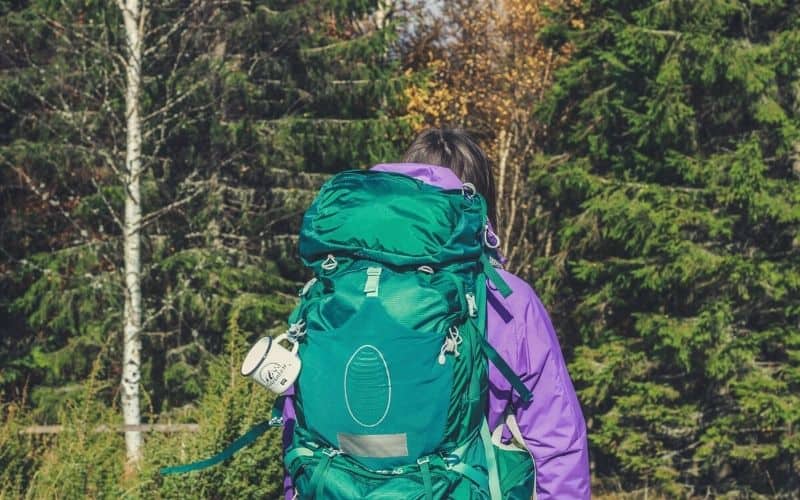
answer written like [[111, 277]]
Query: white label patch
[[373, 445]]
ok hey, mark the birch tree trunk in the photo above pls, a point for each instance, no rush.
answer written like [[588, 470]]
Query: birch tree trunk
[[131, 371]]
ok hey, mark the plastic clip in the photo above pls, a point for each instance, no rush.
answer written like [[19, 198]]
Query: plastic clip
[[490, 241], [329, 264]]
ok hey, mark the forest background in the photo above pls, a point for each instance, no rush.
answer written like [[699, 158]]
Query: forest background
[[648, 160]]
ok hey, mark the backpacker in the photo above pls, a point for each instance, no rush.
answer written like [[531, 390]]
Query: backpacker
[[391, 332], [391, 397]]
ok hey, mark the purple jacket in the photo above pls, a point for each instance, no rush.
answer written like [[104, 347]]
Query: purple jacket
[[519, 328]]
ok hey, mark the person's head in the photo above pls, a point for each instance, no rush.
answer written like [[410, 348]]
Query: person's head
[[456, 150]]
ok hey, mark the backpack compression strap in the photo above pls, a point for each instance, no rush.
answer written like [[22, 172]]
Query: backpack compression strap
[[491, 463], [245, 440]]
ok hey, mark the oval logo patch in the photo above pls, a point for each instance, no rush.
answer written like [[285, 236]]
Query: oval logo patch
[[367, 386]]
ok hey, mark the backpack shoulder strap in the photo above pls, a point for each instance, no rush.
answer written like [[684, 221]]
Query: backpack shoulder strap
[[487, 349], [505, 370]]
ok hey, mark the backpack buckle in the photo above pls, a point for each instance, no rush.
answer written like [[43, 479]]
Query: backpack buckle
[[450, 459], [331, 452], [296, 330], [330, 263], [307, 286], [373, 281], [423, 460]]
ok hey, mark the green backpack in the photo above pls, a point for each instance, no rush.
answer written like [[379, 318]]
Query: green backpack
[[392, 395], [391, 398]]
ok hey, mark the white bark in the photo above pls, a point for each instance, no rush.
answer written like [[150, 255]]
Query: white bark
[[131, 368]]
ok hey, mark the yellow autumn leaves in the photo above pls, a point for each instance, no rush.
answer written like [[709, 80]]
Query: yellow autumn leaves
[[488, 77]]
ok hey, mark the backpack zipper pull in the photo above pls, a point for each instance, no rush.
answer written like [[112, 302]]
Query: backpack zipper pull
[[307, 286], [451, 343], [471, 304]]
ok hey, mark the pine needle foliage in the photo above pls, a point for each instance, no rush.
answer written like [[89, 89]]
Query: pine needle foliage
[[673, 174]]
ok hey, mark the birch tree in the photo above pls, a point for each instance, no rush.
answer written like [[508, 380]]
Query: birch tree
[[134, 18], [73, 160]]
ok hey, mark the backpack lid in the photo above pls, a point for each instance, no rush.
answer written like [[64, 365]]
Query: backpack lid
[[394, 219]]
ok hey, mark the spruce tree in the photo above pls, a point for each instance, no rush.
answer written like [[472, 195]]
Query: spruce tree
[[247, 108], [295, 92], [673, 175], [59, 154]]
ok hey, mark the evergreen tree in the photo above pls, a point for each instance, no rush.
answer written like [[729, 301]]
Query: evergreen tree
[[674, 177], [489, 69], [247, 107], [295, 93], [59, 153]]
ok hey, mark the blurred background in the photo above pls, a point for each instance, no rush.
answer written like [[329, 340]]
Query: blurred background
[[156, 158]]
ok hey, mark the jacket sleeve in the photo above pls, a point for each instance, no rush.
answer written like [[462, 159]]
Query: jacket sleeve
[[552, 424]]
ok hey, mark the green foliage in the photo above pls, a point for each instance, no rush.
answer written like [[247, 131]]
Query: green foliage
[[248, 108], [20, 455], [672, 175], [79, 461], [230, 405]]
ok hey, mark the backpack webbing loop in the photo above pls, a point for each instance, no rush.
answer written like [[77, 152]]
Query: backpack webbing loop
[[296, 453], [373, 281], [317, 484], [426, 477], [494, 276]]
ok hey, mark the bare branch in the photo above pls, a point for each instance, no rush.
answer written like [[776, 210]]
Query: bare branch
[[152, 216]]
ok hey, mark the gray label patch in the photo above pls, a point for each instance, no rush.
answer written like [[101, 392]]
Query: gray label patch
[[373, 445]]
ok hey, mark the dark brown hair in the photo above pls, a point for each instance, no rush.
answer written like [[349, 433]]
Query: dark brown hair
[[456, 150]]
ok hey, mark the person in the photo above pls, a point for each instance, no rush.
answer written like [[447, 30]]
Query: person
[[519, 329]]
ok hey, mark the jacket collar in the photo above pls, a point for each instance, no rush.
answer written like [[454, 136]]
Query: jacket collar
[[434, 175]]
